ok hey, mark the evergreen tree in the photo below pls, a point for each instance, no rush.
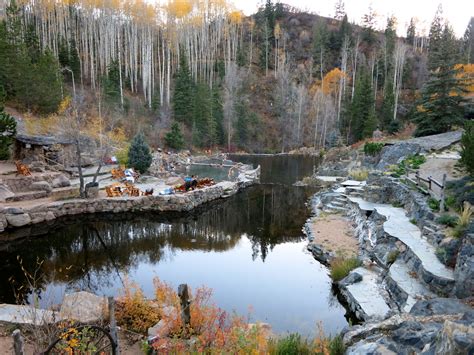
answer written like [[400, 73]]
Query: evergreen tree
[[7, 132], [340, 10], [388, 105], [468, 43], [111, 83], [440, 107], [467, 145], [204, 128], [241, 123], [241, 58], [174, 138], [368, 27], [435, 39], [182, 101], [139, 155], [218, 114], [45, 89], [320, 46], [362, 113], [411, 32]]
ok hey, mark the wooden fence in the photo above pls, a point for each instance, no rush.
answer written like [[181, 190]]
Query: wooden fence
[[430, 182]]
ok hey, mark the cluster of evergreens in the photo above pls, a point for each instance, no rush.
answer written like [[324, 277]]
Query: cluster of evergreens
[[278, 80]]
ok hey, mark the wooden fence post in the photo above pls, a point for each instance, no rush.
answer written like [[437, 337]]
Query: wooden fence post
[[183, 295], [113, 324], [18, 345], [441, 205]]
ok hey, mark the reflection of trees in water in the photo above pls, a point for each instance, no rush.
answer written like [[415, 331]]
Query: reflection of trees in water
[[91, 252]]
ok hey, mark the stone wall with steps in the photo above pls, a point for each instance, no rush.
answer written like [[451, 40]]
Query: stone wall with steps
[[19, 217]]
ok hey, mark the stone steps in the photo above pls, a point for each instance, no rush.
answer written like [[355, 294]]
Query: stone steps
[[420, 255], [27, 196], [365, 296], [405, 289]]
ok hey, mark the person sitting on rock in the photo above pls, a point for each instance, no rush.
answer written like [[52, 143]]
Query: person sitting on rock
[[190, 182]]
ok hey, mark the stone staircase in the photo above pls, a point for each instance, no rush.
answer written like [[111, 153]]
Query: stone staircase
[[401, 266]]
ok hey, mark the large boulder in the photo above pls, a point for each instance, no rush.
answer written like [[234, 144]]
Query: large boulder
[[438, 306], [5, 192], [41, 186], [18, 220], [61, 181], [84, 307], [394, 154], [457, 337], [464, 271]]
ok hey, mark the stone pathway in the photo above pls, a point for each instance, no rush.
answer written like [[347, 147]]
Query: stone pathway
[[402, 276], [399, 226], [368, 295]]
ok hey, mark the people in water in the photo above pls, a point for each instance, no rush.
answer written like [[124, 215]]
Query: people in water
[[190, 182]]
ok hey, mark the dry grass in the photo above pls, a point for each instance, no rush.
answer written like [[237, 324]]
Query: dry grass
[[359, 175]]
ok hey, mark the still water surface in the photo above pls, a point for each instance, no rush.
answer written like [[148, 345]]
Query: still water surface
[[249, 249]]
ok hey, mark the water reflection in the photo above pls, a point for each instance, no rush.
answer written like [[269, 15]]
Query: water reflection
[[248, 248]]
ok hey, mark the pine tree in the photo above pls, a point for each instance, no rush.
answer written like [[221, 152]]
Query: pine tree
[[139, 155], [340, 10], [368, 27], [174, 138], [7, 132], [440, 107], [47, 83], [204, 129], [467, 148], [182, 100], [320, 46], [435, 40], [468, 43], [387, 105], [362, 113], [218, 114], [111, 83], [411, 32]]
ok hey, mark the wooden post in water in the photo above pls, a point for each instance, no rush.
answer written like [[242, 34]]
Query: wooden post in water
[[183, 294], [18, 346], [113, 324], [441, 205]]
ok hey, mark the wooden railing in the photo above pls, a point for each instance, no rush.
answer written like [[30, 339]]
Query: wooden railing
[[431, 182]]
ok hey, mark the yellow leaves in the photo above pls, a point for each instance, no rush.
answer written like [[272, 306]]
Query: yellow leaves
[[331, 80], [64, 105], [180, 8], [466, 73], [277, 30], [236, 17]]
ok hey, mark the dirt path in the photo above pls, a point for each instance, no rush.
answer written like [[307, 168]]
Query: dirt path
[[334, 233]]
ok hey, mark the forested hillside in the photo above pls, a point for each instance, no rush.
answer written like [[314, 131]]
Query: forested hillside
[[201, 74]]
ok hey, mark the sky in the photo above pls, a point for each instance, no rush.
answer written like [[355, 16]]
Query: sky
[[457, 12]]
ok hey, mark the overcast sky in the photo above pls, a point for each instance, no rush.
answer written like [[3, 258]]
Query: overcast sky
[[458, 12]]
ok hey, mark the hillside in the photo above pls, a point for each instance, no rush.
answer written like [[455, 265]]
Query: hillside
[[278, 80]]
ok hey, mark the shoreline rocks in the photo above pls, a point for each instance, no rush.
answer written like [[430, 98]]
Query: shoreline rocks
[[12, 217]]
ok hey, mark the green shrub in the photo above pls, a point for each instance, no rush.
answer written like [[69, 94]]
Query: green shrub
[[336, 346], [415, 161], [122, 156], [433, 204], [292, 344], [359, 175], [413, 221], [461, 190], [392, 256], [447, 220], [7, 132], [467, 148], [341, 267], [174, 138], [139, 156], [372, 148]]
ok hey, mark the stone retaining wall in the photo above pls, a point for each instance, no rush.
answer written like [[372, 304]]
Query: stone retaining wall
[[23, 183], [12, 217]]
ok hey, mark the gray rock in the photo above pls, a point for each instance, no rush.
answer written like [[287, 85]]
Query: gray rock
[[41, 186], [464, 271], [14, 210], [368, 348], [18, 220], [160, 329], [5, 192], [437, 306], [84, 307], [352, 278], [393, 154], [61, 181], [456, 338]]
